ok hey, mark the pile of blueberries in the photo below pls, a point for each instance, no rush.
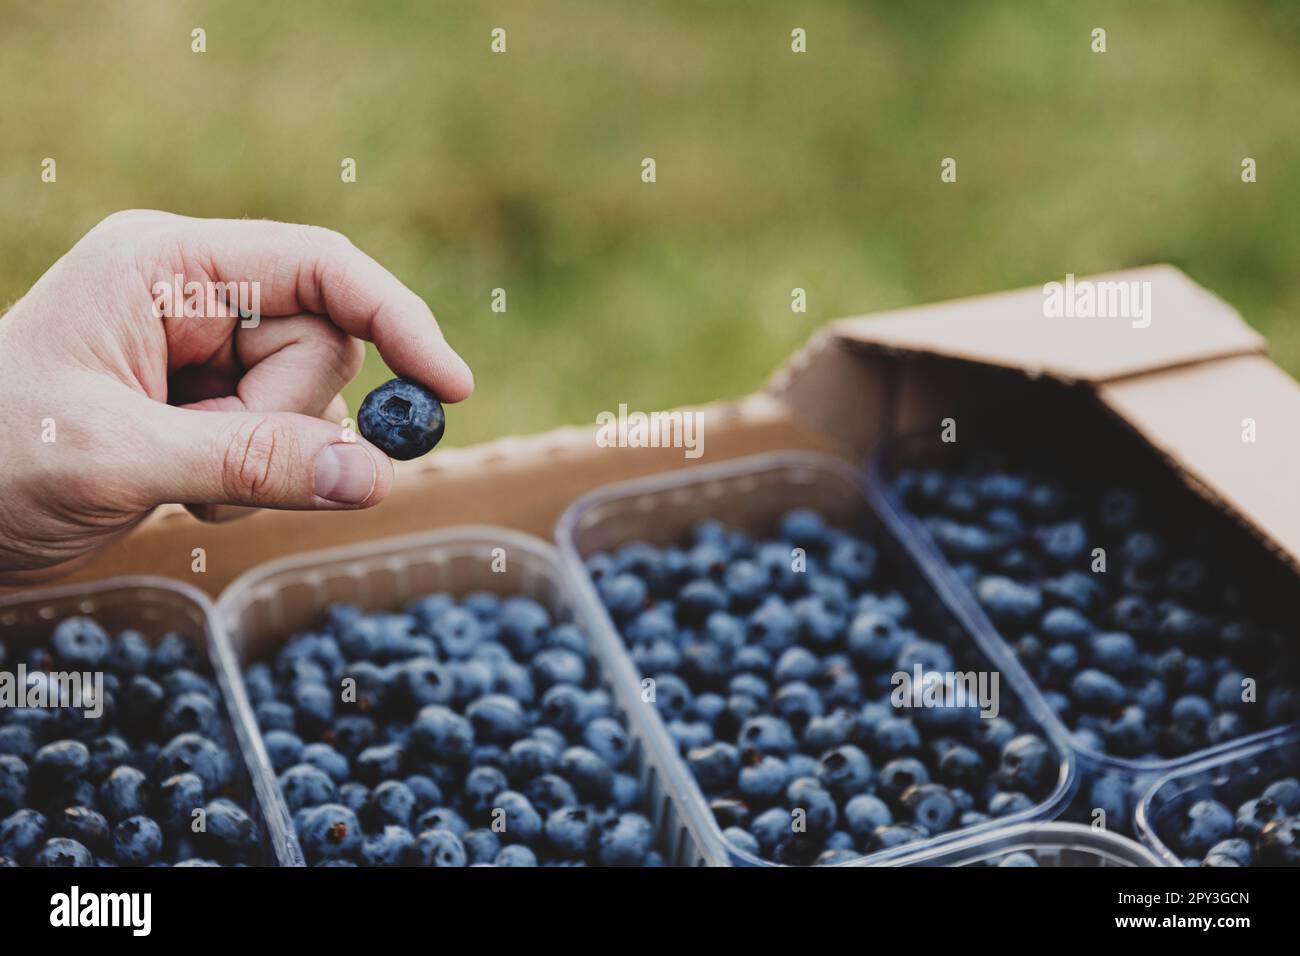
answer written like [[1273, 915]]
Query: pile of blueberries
[[1145, 661], [124, 788], [452, 734], [1264, 831], [773, 663]]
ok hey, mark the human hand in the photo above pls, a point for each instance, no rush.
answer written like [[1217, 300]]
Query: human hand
[[112, 409]]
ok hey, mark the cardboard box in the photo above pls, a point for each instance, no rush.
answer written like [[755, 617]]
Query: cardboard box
[[1186, 387]]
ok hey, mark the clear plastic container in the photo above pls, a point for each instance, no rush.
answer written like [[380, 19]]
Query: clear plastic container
[[919, 450], [266, 606], [752, 494], [155, 607], [1231, 778], [1051, 844]]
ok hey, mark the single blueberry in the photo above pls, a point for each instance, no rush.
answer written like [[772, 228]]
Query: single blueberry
[[402, 418]]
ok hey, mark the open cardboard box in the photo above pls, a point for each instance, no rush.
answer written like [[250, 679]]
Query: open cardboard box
[[1182, 386]]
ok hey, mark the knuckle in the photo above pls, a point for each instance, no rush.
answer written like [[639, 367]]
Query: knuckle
[[251, 470], [128, 217], [328, 238]]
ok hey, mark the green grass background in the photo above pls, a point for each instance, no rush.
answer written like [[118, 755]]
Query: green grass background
[[775, 170]]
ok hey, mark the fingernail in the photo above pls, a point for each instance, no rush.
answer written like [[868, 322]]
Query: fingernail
[[345, 473]]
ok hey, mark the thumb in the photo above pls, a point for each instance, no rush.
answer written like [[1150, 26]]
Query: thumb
[[267, 460]]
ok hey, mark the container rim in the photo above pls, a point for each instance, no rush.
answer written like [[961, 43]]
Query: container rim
[[1054, 833], [373, 548]]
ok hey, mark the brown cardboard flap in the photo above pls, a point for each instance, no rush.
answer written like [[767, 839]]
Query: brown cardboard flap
[[1188, 324], [1201, 418]]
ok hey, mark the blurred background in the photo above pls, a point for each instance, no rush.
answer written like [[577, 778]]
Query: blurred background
[[775, 170]]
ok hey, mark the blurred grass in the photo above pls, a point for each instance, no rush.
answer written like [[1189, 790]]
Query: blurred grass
[[775, 170]]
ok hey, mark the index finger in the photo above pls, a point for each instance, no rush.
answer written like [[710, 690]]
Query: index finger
[[310, 269]]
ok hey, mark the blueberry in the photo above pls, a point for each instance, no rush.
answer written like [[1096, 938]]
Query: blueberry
[[130, 653], [306, 786], [393, 845], [564, 707], [191, 713], [961, 766], [1007, 803], [1097, 691], [497, 718], [392, 802], [1027, 763], [549, 792], [1065, 624], [1279, 842], [767, 734], [521, 821], [80, 643], [62, 851], [516, 855], [17, 741], [894, 737], [523, 624], [893, 835], [606, 738], [1109, 794], [821, 814], [772, 626], [845, 771], [1007, 600], [1231, 852], [1285, 793], [21, 833], [283, 748], [402, 418], [852, 560], [330, 832], [625, 840], [326, 759], [742, 840], [59, 762], [762, 779], [866, 813], [86, 826], [570, 831], [481, 846], [930, 806], [442, 733], [137, 841], [354, 795], [353, 733], [125, 793], [178, 797], [231, 832], [272, 714], [1208, 822], [899, 774], [770, 827], [592, 778], [13, 783]]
